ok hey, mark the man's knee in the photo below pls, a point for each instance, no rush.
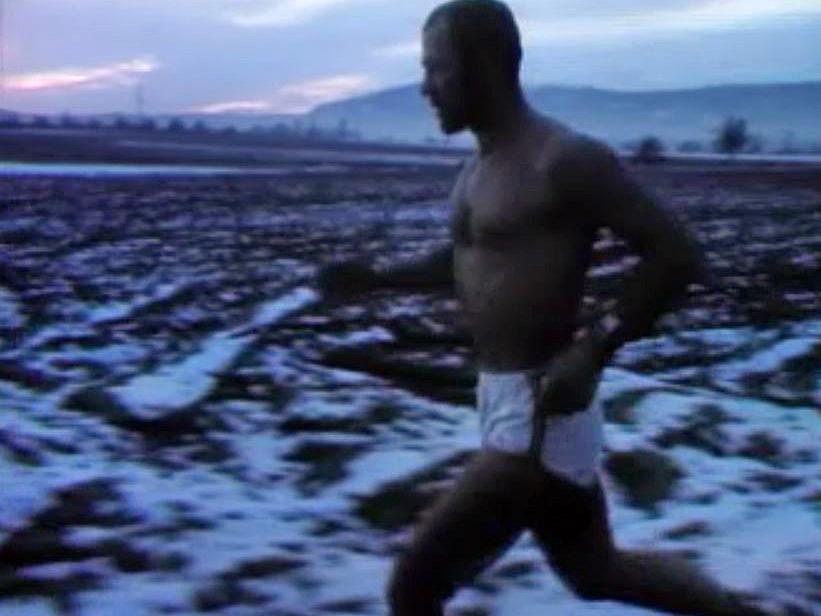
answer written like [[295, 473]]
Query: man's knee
[[591, 582], [398, 590], [589, 588], [414, 590]]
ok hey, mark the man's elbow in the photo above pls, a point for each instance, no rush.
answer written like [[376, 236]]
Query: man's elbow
[[699, 272], [688, 265], [694, 263]]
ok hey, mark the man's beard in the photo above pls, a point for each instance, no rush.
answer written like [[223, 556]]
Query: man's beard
[[451, 126], [469, 114], [452, 121]]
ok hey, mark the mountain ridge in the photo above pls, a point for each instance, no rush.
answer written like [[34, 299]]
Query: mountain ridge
[[778, 114], [781, 116]]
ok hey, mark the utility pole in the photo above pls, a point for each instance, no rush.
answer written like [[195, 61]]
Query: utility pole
[[2, 52], [138, 93]]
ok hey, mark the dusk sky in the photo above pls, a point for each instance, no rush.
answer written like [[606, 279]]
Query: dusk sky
[[86, 56]]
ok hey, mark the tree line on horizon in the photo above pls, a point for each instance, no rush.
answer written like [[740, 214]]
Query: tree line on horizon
[[177, 124], [731, 137]]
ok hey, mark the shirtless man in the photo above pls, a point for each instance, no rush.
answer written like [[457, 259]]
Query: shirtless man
[[525, 211]]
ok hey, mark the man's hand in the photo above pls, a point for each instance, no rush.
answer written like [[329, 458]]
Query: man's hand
[[346, 278], [570, 382]]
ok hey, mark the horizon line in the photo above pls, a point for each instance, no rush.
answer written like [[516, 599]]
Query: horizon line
[[525, 86]]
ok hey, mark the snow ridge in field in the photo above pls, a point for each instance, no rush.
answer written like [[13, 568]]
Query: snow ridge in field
[[182, 384]]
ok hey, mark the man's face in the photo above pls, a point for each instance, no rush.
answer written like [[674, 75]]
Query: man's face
[[442, 84]]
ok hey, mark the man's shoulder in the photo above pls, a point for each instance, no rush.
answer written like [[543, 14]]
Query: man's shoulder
[[466, 164], [464, 169], [469, 161], [556, 148], [577, 166], [576, 151]]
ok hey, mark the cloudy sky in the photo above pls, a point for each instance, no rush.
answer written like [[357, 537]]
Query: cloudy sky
[[286, 56]]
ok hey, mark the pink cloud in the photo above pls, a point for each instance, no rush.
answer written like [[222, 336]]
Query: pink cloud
[[284, 12], [296, 97], [234, 106], [305, 95], [100, 76]]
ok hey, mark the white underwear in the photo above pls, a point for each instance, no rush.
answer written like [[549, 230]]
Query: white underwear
[[572, 444]]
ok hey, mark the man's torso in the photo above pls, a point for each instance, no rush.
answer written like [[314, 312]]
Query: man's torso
[[521, 250]]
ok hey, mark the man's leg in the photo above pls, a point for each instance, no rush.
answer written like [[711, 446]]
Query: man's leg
[[462, 533], [574, 532]]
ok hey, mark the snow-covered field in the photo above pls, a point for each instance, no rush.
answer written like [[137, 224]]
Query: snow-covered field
[[187, 426]]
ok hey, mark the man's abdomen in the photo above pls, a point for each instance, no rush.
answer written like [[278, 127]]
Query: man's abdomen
[[522, 304]]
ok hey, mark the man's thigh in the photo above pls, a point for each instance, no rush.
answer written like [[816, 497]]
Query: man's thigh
[[571, 526], [470, 525]]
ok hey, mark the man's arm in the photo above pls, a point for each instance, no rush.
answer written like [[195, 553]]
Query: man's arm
[[432, 271], [669, 257], [597, 187], [350, 277]]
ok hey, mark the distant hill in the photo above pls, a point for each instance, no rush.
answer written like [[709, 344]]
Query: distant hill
[[778, 113], [782, 116]]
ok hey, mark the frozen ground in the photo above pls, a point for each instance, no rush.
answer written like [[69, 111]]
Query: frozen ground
[[187, 427]]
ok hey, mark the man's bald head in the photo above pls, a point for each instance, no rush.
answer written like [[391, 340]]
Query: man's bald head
[[482, 31]]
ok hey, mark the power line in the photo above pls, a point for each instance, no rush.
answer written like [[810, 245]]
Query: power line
[[2, 51], [140, 100]]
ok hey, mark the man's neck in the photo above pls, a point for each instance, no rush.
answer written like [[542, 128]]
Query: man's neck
[[503, 123]]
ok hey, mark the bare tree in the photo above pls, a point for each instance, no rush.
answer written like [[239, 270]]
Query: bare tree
[[121, 123], [732, 136], [650, 150], [41, 121], [175, 125]]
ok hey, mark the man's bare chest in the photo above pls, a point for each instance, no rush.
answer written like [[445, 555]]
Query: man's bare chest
[[497, 205]]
